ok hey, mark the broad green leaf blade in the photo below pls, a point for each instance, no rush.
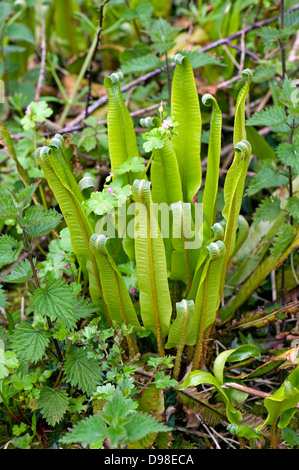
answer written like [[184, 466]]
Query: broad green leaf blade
[[55, 300], [22, 272], [233, 195], [7, 143], [186, 111], [121, 134], [272, 116], [186, 241], [212, 175], [119, 303], [239, 124], [165, 175], [82, 371], [29, 343], [10, 249], [178, 329], [39, 221], [70, 199], [141, 425], [155, 302], [198, 377], [3, 299], [241, 353], [53, 404], [283, 402], [89, 431]]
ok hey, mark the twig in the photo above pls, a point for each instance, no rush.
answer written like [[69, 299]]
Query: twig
[[43, 60], [98, 41]]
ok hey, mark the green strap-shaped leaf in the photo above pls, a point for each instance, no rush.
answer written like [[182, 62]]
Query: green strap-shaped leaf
[[198, 377], [178, 330], [218, 234], [212, 175], [186, 111], [207, 298], [239, 124], [7, 143], [155, 302], [69, 198], [242, 234], [184, 259], [233, 194], [115, 293], [165, 175], [121, 134]]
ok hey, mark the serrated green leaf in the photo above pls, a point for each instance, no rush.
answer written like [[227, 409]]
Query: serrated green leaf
[[40, 221], [8, 208], [282, 240], [162, 35], [200, 59], [22, 272], [82, 371], [267, 177], [142, 424], [141, 64], [272, 116], [53, 404], [88, 431], [10, 248], [56, 300], [269, 209], [289, 155], [29, 343], [3, 299], [293, 207]]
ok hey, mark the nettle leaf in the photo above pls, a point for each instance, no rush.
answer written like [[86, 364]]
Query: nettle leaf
[[82, 371], [84, 308], [269, 209], [87, 431], [40, 221], [286, 96], [273, 116], [29, 343], [272, 36], [293, 207], [267, 177], [3, 299], [282, 240], [200, 59], [141, 64], [22, 272], [264, 73], [56, 300], [162, 35], [53, 404], [289, 155], [10, 248], [8, 208]]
